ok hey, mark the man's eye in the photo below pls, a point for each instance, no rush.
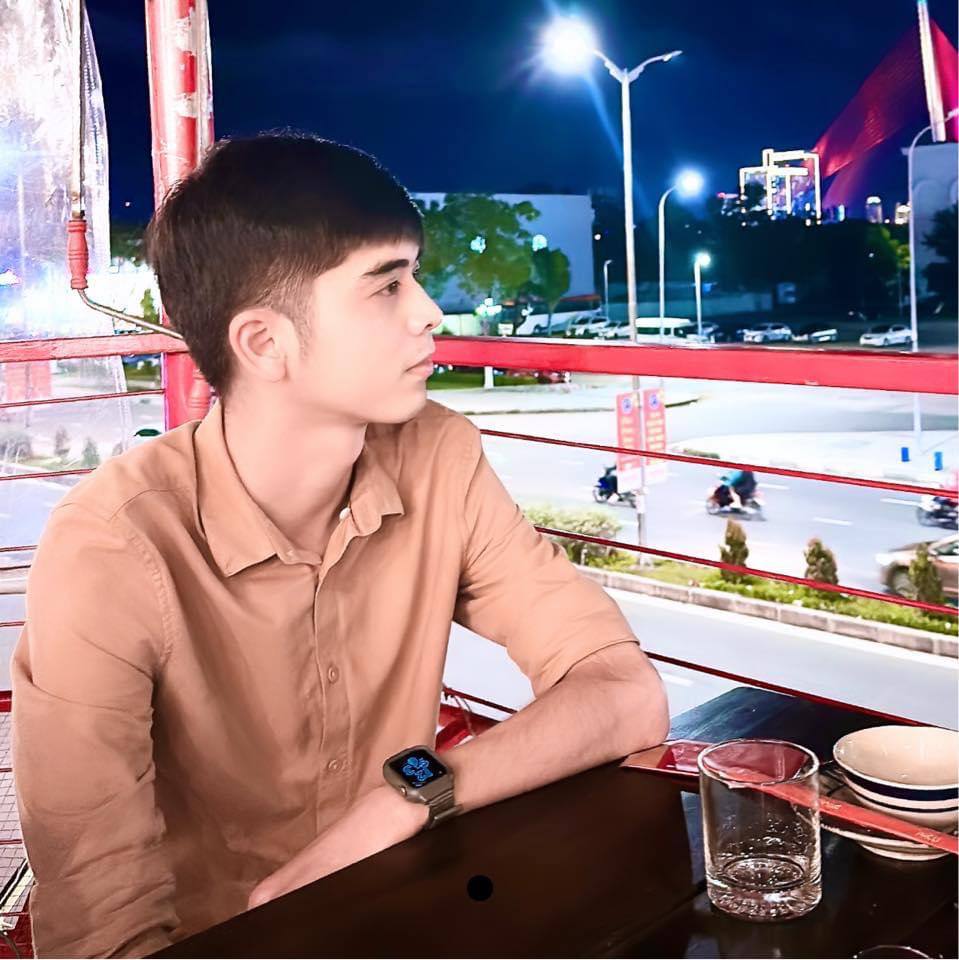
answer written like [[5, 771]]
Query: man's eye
[[391, 289]]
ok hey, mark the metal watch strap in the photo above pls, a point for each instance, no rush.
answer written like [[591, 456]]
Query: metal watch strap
[[441, 808]]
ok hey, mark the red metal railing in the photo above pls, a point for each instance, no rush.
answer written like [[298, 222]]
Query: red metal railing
[[898, 372]]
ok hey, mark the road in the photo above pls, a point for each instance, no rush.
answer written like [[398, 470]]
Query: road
[[901, 682], [856, 523]]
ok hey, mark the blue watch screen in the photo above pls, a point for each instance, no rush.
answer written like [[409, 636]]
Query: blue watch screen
[[418, 768]]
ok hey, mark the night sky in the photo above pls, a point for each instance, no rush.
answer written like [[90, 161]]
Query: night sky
[[451, 97]]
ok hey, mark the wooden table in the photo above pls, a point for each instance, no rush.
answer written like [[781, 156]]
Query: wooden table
[[606, 863]]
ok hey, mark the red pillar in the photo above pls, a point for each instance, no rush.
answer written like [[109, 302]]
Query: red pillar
[[181, 114]]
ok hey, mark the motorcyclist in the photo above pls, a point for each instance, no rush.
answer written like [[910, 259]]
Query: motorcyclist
[[742, 486], [608, 481]]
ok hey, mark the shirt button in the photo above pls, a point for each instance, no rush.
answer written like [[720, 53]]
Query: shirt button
[[333, 674], [344, 513], [333, 766]]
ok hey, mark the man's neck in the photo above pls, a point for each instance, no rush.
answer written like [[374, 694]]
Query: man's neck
[[298, 473]]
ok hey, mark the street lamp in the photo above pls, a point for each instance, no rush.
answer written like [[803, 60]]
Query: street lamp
[[701, 260], [689, 183], [569, 44], [913, 306], [606, 264]]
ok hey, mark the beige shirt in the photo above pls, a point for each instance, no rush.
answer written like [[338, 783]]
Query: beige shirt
[[195, 699]]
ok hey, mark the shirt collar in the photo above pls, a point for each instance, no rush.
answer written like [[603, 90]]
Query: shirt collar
[[237, 531]]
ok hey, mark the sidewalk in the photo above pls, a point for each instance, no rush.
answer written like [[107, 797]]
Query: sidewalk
[[872, 455], [545, 398]]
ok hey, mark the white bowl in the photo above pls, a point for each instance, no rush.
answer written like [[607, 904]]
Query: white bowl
[[909, 772]]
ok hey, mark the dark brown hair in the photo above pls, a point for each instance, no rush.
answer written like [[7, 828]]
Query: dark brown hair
[[256, 222]]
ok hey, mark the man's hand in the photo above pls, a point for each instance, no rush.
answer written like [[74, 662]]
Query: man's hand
[[379, 819]]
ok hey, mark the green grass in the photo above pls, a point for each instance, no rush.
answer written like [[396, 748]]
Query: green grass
[[473, 379]]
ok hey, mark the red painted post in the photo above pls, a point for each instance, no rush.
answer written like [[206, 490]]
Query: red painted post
[[181, 116]]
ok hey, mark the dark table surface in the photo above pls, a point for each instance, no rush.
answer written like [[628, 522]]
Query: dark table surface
[[606, 863]]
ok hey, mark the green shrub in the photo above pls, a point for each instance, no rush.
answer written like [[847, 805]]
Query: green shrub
[[734, 550], [61, 443], [925, 577], [590, 523], [16, 445], [90, 457]]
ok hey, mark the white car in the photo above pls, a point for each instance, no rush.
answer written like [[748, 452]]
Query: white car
[[768, 333], [615, 329], [587, 327], [886, 335]]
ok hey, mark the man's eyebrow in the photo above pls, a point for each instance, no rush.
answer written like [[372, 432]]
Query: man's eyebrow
[[388, 266]]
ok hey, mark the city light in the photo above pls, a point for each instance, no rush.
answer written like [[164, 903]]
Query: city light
[[569, 45], [690, 183], [703, 259]]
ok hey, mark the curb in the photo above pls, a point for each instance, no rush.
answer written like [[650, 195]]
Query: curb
[[838, 623]]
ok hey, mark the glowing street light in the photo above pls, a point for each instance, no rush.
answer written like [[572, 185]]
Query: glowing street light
[[569, 44], [689, 184], [701, 260]]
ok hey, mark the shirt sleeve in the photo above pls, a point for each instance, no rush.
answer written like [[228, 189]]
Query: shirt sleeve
[[83, 674], [518, 588]]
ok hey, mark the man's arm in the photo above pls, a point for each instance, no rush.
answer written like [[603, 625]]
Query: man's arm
[[610, 704], [83, 674]]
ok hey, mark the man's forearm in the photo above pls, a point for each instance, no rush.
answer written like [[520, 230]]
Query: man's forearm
[[578, 724]]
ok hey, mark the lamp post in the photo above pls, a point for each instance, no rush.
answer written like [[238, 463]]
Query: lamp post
[[606, 264], [913, 306], [569, 45], [701, 260], [689, 183]]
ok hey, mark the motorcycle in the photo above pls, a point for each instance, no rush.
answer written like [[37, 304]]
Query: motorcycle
[[938, 512], [603, 490], [720, 504]]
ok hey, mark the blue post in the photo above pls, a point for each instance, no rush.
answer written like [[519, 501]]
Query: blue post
[[937, 460], [904, 454]]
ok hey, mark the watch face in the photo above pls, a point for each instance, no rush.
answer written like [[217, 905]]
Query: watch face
[[418, 768]]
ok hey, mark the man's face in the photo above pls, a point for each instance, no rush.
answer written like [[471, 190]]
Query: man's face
[[369, 322]]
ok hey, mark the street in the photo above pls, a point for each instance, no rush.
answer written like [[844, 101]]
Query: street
[[901, 682]]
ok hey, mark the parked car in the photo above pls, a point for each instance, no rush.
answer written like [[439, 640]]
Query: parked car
[[587, 327], [713, 333], [615, 329], [768, 333], [944, 553], [541, 376], [886, 335], [816, 333]]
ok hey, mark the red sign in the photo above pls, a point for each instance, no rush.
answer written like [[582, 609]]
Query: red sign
[[640, 424]]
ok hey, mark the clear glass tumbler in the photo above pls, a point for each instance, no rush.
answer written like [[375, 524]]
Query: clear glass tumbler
[[761, 828]]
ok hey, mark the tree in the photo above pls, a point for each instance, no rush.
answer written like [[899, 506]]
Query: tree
[[148, 308], [550, 280], [442, 249], [734, 551], [820, 562], [126, 241], [90, 457], [942, 275], [925, 577]]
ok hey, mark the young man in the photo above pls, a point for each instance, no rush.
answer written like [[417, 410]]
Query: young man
[[231, 627]]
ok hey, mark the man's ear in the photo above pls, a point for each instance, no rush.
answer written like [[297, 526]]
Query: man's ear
[[260, 340]]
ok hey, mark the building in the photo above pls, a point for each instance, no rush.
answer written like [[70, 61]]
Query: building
[[790, 181], [874, 209], [935, 187], [901, 217]]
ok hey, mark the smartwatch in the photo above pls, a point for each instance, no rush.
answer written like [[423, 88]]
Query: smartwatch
[[421, 777]]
